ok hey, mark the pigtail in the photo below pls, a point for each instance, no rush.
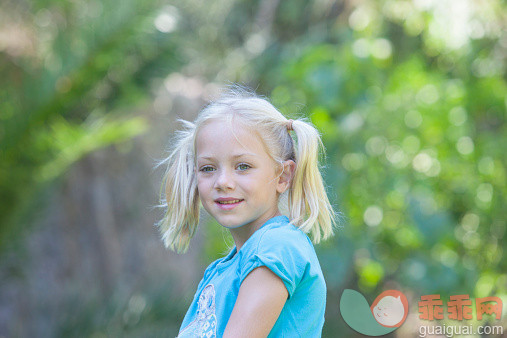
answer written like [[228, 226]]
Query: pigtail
[[179, 193], [309, 206]]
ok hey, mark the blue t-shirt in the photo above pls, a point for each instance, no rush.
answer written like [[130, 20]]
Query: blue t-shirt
[[286, 251]]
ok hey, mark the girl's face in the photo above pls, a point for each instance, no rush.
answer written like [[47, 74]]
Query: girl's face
[[237, 184]]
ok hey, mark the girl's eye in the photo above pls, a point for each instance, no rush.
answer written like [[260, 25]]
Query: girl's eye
[[243, 166], [206, 169]]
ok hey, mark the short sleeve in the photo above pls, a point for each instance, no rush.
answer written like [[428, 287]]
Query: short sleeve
[[283, 253]]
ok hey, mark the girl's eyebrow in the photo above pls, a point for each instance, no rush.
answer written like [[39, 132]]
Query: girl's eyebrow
[[233, 156]]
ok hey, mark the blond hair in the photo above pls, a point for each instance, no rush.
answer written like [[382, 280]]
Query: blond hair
[[308, 204]]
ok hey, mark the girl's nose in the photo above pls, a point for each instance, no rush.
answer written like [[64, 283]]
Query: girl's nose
[[224, 180]]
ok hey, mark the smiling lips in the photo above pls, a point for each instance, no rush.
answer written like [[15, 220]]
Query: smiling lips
[[228, 203]]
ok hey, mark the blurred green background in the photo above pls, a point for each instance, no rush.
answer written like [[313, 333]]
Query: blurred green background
[[410, 97]]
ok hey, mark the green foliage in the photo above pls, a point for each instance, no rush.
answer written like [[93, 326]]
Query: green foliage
[[406, 141], [67, 102]]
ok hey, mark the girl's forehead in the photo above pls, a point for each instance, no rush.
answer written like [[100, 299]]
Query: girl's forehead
[[225, 130], [218, 137], [224, 123]]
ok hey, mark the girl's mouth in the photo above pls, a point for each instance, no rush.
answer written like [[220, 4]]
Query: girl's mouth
[[228, 205]]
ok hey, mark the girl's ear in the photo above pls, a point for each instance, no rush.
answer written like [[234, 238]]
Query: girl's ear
[[285, 178]]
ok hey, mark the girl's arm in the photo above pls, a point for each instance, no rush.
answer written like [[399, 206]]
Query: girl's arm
[[261, 298]]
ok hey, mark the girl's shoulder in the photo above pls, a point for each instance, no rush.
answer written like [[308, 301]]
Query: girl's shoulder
[[285, 250], [279, 241], [281, 234]]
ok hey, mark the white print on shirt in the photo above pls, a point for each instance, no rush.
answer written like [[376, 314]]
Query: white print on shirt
[[205, 325]]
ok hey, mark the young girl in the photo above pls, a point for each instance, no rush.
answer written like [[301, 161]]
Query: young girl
[[237, 159]]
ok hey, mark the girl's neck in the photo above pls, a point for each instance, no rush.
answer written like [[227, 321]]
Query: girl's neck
[[243, 233]]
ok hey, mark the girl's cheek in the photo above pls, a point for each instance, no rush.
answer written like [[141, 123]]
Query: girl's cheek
[[202, 182]]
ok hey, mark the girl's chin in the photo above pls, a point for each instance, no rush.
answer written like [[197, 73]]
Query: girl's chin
[[230, 225]]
